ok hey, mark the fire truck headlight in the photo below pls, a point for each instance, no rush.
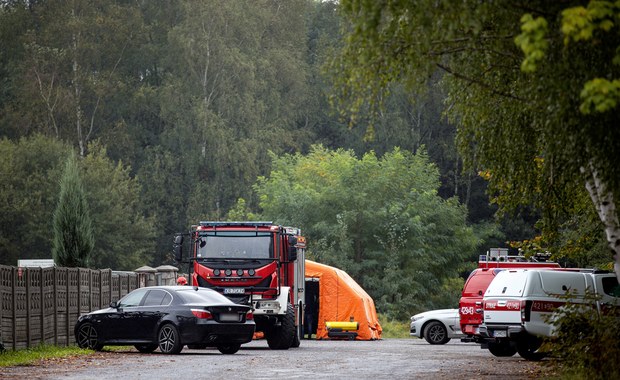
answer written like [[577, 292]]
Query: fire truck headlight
[[251, 272], [216, 272], [228, 272], [239, 272]]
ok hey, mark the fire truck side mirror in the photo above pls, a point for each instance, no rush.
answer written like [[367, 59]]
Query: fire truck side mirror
[[177, 248], [292, 249]]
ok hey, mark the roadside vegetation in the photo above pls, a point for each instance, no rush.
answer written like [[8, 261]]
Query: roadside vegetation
[[393, 328], [30, 356]]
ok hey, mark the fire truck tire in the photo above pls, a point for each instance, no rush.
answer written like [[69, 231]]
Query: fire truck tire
[[281, 337], [436, 333], [299, 330], [229, 349], [527, 347], [502, 349]]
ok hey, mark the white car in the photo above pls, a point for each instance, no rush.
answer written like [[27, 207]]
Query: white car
[[436, 326]]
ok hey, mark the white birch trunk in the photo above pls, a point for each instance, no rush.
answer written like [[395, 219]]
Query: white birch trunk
[[606, 209]]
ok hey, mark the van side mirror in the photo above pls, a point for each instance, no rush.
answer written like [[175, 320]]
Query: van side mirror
[[177, 247]]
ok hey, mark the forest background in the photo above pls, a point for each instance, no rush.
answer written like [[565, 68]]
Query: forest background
[[181, 111]]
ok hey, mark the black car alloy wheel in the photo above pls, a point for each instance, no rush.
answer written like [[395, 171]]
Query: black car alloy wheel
[[169, 339], [87, 337]]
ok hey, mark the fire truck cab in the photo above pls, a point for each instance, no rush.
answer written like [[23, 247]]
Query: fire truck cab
[[260, 264]]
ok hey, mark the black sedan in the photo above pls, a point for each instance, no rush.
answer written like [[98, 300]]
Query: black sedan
[[168, 317]]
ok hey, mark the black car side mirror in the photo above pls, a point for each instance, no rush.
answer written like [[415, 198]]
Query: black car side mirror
[[114, 304]]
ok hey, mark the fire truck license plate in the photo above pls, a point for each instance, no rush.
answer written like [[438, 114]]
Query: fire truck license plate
[[499, 333], [234, 291]]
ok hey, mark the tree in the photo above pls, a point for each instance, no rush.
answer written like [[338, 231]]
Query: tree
[[380, 219], [539, 129], [29, 172], [125, 236], [74, 239]]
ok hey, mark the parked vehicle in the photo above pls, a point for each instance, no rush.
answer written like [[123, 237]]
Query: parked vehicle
[[518, 304], [436, 326], [168, 318], [470, 304], [259, 264]]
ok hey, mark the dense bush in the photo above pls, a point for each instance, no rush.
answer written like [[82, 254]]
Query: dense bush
[[587, 343]]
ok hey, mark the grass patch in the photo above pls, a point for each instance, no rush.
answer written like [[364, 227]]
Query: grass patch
[[30, 356], [393, 329]]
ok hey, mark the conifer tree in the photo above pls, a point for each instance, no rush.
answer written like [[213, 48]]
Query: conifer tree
[[73, 239]]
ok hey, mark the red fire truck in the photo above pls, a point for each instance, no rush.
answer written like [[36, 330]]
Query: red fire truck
[[260, 264]]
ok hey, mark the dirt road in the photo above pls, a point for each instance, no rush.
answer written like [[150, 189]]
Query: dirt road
[[385, 359]]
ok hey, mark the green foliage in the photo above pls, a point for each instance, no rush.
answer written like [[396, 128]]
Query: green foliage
[[73, 240], [10, 358], [532, 41], [393, 328], [524, 131], [124, 236], [380, 219], [29, 173], [586, 343]]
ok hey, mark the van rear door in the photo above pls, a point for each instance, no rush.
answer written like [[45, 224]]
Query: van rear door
[[502, 300]]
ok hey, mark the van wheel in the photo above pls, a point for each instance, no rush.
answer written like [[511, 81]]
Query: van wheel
[[502, 349], [527, 347], [436, 333]]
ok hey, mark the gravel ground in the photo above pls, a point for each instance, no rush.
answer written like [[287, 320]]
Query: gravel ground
[[384, 359]]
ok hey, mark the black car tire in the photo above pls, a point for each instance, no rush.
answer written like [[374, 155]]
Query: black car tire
[[169, 339], [527, 347], [281, 337], [436, 333], [146, 348], [87, 337], [502, 349], [229, 349]]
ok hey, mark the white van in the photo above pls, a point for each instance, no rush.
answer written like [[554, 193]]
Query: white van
[[518, 304]]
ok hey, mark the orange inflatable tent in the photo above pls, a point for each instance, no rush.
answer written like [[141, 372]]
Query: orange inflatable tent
[[341, 299]]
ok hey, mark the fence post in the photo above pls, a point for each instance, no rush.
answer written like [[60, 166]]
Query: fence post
[[42, 309], [55, 289]]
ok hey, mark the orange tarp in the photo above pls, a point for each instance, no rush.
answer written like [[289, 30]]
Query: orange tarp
[[341, 298]]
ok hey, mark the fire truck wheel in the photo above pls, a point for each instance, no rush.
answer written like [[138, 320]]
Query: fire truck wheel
[[229, 349], [281, 337], [436, 333], [299, 330], [527, 347], [502, 349]]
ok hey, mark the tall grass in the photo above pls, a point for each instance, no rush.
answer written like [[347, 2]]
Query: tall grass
[[29, 356], [393, 328]]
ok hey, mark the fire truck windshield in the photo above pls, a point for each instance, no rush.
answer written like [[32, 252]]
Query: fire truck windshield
[[234, 245]]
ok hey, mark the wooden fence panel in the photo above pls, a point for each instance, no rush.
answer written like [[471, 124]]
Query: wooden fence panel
[[41, 305]]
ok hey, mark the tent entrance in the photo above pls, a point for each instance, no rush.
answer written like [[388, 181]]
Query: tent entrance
[[311, 315]]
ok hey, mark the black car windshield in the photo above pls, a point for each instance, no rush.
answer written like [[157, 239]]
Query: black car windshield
[[235, 244]]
